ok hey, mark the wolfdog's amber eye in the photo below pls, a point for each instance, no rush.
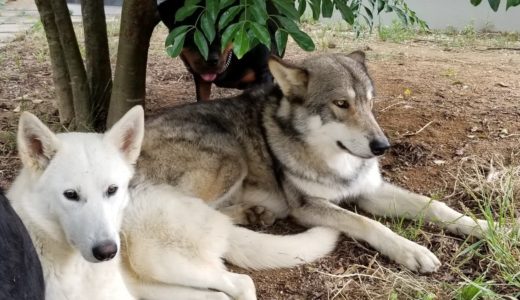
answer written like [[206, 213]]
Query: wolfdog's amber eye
[[341, 103], [71, 195], [111, 190]]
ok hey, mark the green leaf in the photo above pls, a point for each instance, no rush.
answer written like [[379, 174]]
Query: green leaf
[[327, 8], [354, 6], [401, 15], [512, 3], [300, 37], [174, 49], [345, 10], [369, 21], [241, 42], [316, 8], [225, 3], [288, 24], [260, 3], [475, 2], [281, 41], [381, 5], [228, 34], [369, 13], [253, 41], [228, 16], [207, 24], [303, 40], [201, 43], [259, 13], [302, 5], [261, 33], [184, 12], [174, 34], [286, 7], [191, 2], [494, 4], [212, 8]]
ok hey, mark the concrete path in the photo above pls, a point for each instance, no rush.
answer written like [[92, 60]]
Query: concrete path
[[17, 17]]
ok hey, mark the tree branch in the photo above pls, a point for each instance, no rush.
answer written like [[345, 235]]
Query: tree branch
[[59, 67], [72, 55], [97, 59], [139, 18]]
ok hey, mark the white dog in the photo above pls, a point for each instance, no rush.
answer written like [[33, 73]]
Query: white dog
[[72, 193]]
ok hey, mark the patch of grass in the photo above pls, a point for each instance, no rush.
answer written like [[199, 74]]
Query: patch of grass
[[41, 54], [495, 191], [409, 230], [450, 73], [469, 36], [397, 32], [375, 281], [7, 142], [336, 36], [473, 290], [483, 269]]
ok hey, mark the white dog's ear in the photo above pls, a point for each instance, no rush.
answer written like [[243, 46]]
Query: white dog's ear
[[37, 144], [291, 79], [127, 134]]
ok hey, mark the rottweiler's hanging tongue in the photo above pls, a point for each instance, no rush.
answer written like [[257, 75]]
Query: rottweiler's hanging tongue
[[209, 77]]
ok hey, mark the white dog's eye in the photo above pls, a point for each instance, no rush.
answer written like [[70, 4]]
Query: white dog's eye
[[341, 103], [71, 195], [111, 190]]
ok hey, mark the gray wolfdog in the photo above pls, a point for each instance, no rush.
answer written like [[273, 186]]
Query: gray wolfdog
[[299, 148]]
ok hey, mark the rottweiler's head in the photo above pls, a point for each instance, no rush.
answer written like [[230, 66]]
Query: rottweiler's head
[[218, 59]]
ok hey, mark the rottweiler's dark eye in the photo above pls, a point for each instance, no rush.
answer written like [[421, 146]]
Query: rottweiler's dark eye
[[71, 195], [111, 190], [341, 103]]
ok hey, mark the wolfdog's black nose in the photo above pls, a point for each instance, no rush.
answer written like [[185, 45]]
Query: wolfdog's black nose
[[105, 250], [379, 146]]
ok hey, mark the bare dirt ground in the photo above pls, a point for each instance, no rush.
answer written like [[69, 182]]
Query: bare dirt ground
[[441, 105]]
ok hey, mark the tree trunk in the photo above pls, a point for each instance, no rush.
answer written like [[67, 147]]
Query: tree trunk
[[72, 55], [97, 59], [59, 67], [138, 20]]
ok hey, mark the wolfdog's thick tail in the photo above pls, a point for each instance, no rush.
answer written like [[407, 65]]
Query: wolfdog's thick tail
[[255, 250]]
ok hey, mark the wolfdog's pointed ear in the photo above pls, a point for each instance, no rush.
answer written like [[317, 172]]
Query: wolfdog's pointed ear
[[127, 134], [291, 79], [37, 144], [358, 56]]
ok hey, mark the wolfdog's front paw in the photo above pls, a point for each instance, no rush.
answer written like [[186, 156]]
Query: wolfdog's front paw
[[259, 215], [416, 257]]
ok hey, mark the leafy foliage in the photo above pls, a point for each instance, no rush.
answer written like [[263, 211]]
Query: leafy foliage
[[246, 23], [494, 4]]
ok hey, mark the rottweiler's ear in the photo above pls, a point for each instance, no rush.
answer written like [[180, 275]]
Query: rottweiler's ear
[[358, 56], [291, 79], [37, 144]]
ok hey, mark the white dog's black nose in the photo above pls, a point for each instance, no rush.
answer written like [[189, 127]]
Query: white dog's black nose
[[379, 146], [105, 250]]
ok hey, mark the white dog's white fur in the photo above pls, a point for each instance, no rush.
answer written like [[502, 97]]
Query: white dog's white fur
[[170, 246]]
